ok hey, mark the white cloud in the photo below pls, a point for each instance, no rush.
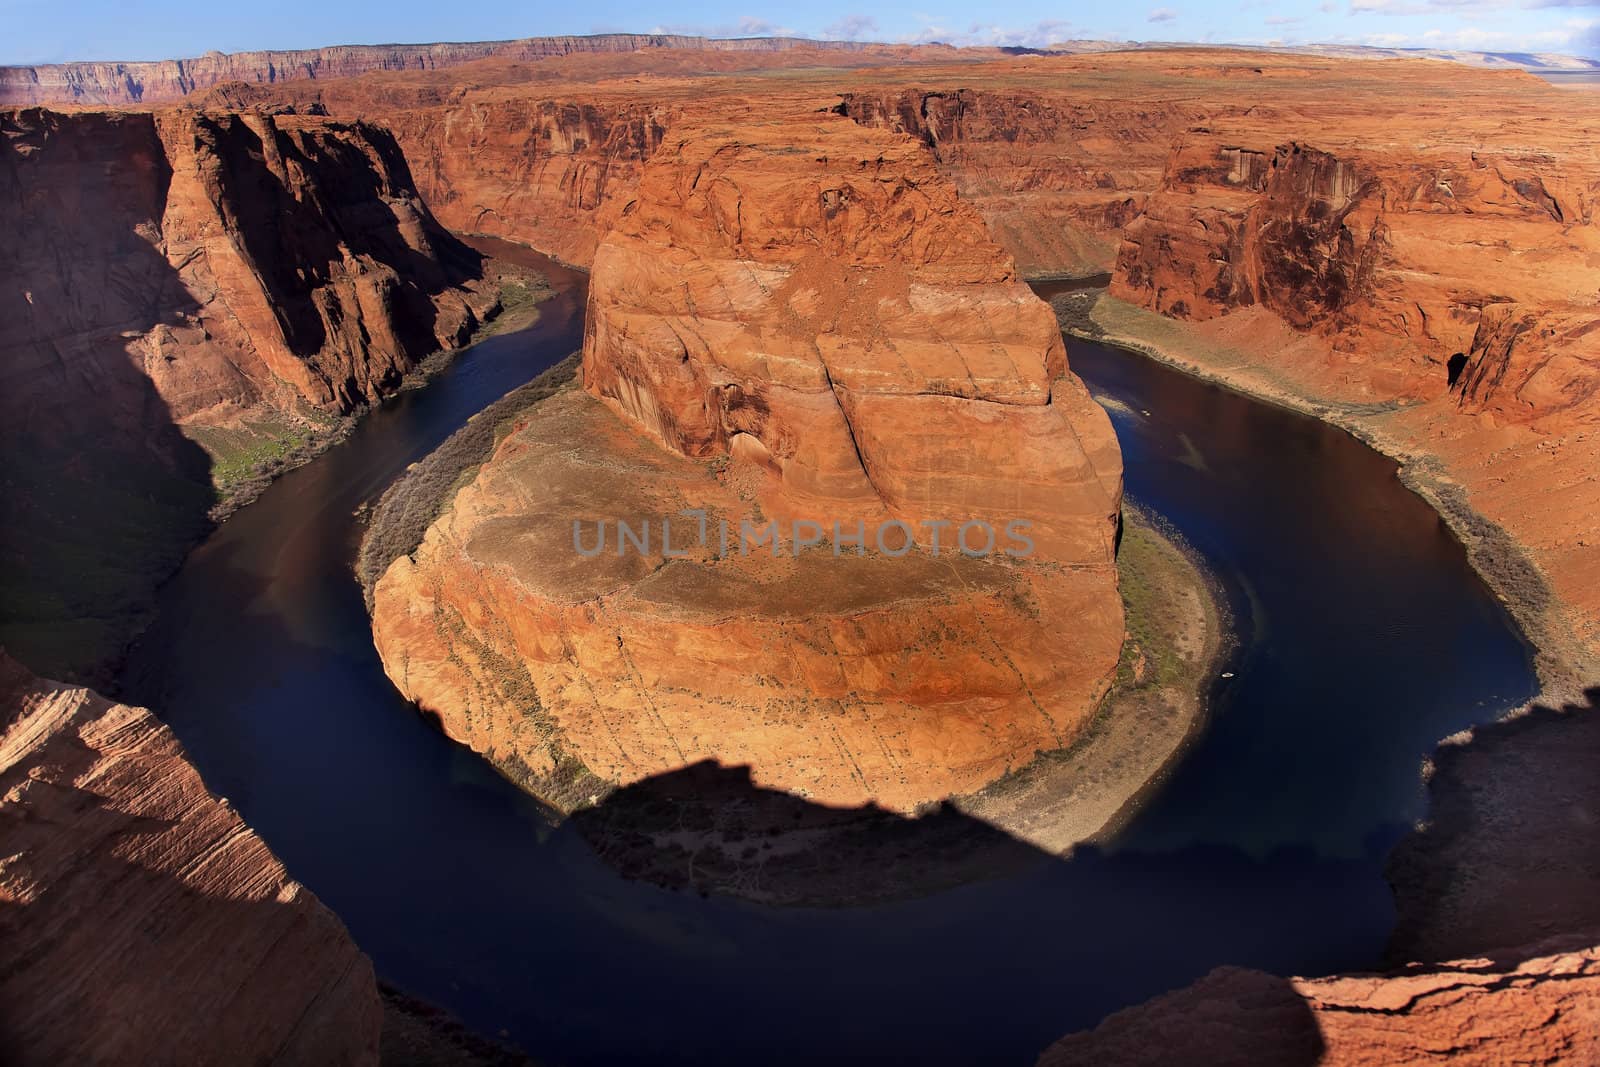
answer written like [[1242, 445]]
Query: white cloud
[[1041, 34], [747, 26], [1162, 14], [851, 28], [1575, 35], [1422, 7]]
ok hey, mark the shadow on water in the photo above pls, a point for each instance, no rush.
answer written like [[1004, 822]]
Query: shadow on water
[[1507, 871], [1266, 849], [1511, 853]]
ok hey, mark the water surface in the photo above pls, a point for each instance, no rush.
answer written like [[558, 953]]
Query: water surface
[[1365, 638]]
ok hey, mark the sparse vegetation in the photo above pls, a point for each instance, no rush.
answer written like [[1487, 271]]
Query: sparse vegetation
[[400, 518], [1162, 607], [247, 457], [1175, 638]]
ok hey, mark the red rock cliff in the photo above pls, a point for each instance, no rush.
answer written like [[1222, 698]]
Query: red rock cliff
[[143, 921], [238, 258], [232, 274], [1401, 256], [797, 319]]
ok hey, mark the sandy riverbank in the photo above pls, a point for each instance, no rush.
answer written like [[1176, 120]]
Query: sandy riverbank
[[1176, 640]]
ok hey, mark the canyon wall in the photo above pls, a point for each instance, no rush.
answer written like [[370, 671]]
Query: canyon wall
[[547, 153], [143, 921], [1056, 174], [795, 321], [233, 279], [550, 172], [1403, 258], [172, 79], [238, 259]]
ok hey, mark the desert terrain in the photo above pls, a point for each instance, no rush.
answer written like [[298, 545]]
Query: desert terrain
[[807, 302]]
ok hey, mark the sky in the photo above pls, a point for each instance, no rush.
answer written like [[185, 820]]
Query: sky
[[51, 31]]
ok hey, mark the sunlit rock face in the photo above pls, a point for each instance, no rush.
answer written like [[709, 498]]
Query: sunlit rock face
[[1402, 255], [1539, 1004], [143, 921], [796, 322]]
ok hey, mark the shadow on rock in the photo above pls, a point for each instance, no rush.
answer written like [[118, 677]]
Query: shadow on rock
[[1511, 853]]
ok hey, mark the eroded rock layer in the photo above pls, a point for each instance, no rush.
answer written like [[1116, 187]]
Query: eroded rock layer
[[1539, 1005], [232, 279], [1458, 265], [143, 921], [804, 327]]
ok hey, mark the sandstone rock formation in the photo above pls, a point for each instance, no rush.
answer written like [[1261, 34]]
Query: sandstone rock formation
[[1056, 174], [1540, 1005], [238, 258], [806, 326], [246, 276], [1470, 249], [143, 921]]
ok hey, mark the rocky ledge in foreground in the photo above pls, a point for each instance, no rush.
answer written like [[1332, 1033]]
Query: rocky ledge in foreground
[[796, 322], [1539, 1005], [142, 920]]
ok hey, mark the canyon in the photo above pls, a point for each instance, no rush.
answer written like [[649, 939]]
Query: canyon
[[1389, 232], [1406, 248]]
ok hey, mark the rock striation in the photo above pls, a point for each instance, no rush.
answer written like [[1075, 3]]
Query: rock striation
[[1464, 265], [143, 921], [795, 322], [1540, 1005]]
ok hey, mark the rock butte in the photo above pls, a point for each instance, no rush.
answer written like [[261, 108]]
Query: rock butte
[[817, 307], [143, 921]]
